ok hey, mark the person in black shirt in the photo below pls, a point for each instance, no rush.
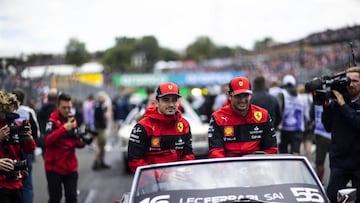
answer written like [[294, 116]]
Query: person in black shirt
[[43, 116], [341, 117], [101, 118], [262, 98]]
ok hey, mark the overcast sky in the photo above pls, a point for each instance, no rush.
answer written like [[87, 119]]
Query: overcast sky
[[45, 26]]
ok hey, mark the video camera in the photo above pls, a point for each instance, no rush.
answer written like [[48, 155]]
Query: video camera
[[322, 87], [86, 135], [18, 166], [16, 130]]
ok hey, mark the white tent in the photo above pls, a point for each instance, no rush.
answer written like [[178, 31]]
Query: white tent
[[43, 71]]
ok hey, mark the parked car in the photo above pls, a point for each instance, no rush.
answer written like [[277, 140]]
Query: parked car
[[199, 130], [254, 178]]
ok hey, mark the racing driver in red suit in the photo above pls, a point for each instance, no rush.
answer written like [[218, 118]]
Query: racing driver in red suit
[[163, 135], [240, 127]]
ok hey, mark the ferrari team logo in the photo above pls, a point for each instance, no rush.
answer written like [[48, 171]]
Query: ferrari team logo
[[180, 126], [258, 115], [155, 142], [170, 87], [228, 131], [241, 83]]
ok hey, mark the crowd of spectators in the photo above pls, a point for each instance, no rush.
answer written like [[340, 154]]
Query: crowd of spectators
[[316, 55]]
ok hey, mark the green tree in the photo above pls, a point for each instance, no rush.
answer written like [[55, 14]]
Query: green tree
[[118, 58], [262, 44], [224, 51], [169, 55], [203, 48], [76, 52], [148, 47]]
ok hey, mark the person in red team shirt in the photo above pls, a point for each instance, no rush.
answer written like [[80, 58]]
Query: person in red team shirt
[[12, 144], [61, 163], [240, 127], [162, 135]]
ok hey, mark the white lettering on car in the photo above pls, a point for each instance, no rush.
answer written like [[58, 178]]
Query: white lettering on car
[[157, 199], [307, 194]]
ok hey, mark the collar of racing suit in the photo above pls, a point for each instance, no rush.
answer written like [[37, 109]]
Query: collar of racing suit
[[152, 113]]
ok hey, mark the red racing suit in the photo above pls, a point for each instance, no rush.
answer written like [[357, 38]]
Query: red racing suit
[[13, 151], [60, 154], [231, 134], [158, 139]]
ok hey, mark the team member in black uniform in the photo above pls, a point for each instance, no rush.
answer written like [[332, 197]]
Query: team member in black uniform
[[163, 135], [341, 117], [240, 128]]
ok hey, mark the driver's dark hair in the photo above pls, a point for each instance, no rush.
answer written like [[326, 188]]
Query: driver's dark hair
[[63, 97]]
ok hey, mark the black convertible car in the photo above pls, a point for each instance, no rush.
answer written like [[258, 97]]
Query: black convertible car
[[253, 178]]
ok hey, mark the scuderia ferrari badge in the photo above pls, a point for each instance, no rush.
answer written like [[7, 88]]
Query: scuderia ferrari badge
[[258, 115], [180, 126]]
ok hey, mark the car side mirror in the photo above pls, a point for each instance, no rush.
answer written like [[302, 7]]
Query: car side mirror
[[125, 198], [346, 195]]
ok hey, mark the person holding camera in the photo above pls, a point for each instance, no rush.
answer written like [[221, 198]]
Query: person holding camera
[[27, 114], [341, 117], [61, 164], [14, 139]]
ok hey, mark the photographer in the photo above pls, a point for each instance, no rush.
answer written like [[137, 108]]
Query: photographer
[[61, 164], [341, 117], [27, 114], [12, 142]]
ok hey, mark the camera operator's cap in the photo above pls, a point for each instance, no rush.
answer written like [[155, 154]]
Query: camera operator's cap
[[239, 85], [167, 88], [289, 80]]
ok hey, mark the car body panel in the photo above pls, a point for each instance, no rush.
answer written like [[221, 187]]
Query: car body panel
[[264, 178]]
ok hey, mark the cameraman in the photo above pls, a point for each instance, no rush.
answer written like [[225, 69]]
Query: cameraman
[[341, 117], [11, 145], [27, 114], [61, 164]]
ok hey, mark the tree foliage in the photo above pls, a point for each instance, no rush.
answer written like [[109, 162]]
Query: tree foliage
[[148, 46], [169, 55], [76, 52], [118, 58], [202, 48], [262, 44]]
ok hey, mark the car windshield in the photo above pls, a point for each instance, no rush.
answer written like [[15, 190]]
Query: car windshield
[[218, 175]]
